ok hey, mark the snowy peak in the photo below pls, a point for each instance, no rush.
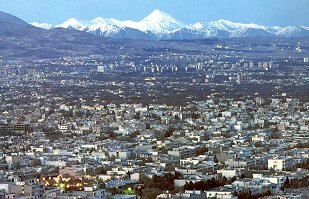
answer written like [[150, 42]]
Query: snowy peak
[[156, 15], [159, 22], [197, 26], [71, 23], [100, 20], [223, 24], [160, 16]]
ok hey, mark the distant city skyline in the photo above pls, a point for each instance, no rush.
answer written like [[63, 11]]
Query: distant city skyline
[[264, 12]]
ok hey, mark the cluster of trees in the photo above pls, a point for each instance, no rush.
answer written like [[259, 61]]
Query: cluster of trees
[[304, 165], [157, 185], [169, 168], [201, 151], [208, 184], [248, 194], [50, 133], [195, 115], [296, 183], [169, 132], [164, 182], [302, 145]]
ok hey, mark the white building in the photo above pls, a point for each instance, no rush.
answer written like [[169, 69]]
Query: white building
[[63, 128], [280, 164], [278, 180], [222, 193], [101, 69], [182, 152], [229, 173]]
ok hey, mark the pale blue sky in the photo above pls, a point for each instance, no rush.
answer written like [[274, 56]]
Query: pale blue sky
[[266, 12]]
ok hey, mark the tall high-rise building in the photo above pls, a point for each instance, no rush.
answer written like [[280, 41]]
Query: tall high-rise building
[[241, 78]]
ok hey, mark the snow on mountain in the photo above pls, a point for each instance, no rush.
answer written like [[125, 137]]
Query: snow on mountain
[[209, 31], [71, 23], [156, 22], [105, 30], [292, 31], [223, 24], [223, 29], [159, 24], [46, 26], [159, 21], [229, 26], [131, 33], [100, 20], [251, 32], [185, 33]]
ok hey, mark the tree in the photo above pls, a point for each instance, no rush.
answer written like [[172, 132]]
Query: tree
[[231, 180], [287, 182], [169, 132], [189, 186], [137, 116], [169, 168], [112, 158], [223, 180], [143, 179], [151, 193], [101, 183], [258, 144], [129, 174], [200, 151], [129, 191]]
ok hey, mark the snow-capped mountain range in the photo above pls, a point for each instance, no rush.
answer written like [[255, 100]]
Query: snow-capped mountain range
[[160, 25]]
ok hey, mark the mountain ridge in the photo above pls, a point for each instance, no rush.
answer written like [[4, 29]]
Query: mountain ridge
[[160, 25]]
